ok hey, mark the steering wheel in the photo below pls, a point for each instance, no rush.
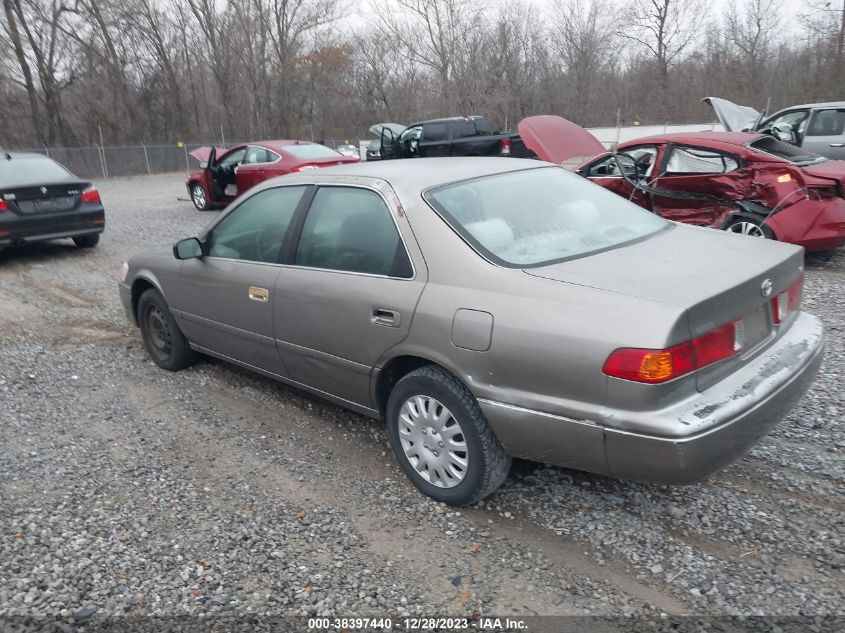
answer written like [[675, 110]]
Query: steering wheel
[[634, 164]]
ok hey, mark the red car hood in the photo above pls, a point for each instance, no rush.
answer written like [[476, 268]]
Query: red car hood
[[557, 140]]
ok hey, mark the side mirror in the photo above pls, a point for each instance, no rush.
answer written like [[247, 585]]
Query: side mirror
[[203, 165], [189, 248]]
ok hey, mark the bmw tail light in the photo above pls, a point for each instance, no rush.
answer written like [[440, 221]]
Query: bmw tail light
[[659, 365], [505, 147], [90, 195], [3, 206], [784, 303]]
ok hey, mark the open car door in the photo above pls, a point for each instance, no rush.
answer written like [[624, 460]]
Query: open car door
[[388, 134]]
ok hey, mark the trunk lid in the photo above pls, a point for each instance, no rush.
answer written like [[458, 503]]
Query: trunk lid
[[49, 198], [733, 117], [715, 277], [556, 140]]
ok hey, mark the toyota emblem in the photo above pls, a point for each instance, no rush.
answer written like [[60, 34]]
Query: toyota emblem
[[766, 287]]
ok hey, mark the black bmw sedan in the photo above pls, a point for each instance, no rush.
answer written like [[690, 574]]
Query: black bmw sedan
[[41, 200]]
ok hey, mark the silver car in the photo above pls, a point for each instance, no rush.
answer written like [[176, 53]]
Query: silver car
[[489, 308], [817, 127]]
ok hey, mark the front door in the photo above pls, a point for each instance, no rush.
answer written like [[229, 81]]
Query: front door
[[226, 298], [435, 140], [635, 164], [349, 293], [697, 171]]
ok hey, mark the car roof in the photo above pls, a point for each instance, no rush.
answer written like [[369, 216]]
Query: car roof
[[829, 104], [420, 174], [692, 138], [448, 119]]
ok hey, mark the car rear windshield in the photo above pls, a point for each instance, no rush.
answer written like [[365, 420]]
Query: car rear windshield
[[310, 151], [28, 171], [540, 216], [793, 154]]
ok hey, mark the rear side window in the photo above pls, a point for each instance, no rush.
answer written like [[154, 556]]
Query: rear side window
[[535, 217], [827, 123], [350, 229], [690, 160], [26, 171], [435, 132], [255, 155], [255, 230]]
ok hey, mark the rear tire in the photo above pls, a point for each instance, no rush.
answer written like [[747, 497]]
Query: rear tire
[[751, 226], [87, 241], [442, 440], [199, 196], [163, 339]]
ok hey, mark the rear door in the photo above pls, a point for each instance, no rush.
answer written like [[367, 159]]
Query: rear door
[[435, 139], [825, 133], [254, 168], [349, 292], [697, 171], [225, 300]]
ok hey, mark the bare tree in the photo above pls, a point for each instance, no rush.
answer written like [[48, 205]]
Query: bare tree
[[666, 29]]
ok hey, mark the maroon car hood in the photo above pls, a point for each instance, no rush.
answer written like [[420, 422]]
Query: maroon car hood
[[557, 140]]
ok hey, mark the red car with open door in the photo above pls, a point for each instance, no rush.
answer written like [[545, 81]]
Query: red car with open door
[[746, 183], [225, 174]]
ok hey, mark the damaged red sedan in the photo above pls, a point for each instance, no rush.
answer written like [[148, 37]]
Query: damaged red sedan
[[218, 181], [742, 182]]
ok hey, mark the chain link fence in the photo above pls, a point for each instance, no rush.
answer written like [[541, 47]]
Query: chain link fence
[[136, 160]]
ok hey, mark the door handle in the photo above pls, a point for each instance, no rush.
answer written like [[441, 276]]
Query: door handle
[[837, 144], [259, 294], [389, 318]]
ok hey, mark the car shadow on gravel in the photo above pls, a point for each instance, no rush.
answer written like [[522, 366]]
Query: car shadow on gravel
[[39, 252]]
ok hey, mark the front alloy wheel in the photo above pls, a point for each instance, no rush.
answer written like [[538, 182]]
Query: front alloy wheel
[[198, 197]]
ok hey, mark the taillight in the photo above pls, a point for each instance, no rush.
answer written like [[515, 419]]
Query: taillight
[[505, 147], [659, 365], [303, 168], [3, 206], [90, 195], [784, 303]]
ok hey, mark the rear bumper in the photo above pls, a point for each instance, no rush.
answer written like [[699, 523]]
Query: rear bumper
[[817, 225], [714, 428], [19, 229]]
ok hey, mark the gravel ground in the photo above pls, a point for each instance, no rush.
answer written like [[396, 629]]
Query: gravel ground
[[128, 490]]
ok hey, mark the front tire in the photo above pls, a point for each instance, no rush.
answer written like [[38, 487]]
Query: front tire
[[442, 440], [199, 197], [87, 241], [163, 339]]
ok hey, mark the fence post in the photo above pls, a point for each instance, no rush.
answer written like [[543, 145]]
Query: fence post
[[187, 164], [103, 154], [147, 160], [47, 151]]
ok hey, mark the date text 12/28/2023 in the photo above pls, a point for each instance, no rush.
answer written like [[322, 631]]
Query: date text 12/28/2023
[[416, 624]]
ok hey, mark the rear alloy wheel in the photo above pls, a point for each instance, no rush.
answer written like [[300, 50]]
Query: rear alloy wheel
[[199, 197], [87, 241], [751, 227], [441, 439], [163, 339]]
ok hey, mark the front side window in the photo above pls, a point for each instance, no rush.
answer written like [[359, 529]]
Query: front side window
[[464, 128], [690, 160], [350, 229], [794, 122], [637, 162], [540, 216], [233, 158], [411, 134], [255, 230]]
